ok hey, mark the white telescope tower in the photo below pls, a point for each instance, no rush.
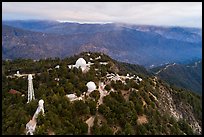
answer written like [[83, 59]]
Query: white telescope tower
[[39, 109], [31, 95], [31, 125]]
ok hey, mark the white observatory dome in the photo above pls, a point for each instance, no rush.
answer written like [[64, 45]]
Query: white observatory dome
[[81, 63], [41, 102], [91, 86], [30, 77]]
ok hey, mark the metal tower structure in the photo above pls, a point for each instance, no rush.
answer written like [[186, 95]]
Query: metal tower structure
[[31, 95]]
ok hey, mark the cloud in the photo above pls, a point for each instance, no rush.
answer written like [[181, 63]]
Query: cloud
[[153, 13]]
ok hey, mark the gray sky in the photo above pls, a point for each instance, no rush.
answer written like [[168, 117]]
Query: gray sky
[[151, 13]]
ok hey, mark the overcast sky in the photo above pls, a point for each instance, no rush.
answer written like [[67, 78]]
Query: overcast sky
[[150, 13]]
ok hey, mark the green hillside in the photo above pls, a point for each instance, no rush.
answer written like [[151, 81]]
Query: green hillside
[[132, 102], [184, 76]]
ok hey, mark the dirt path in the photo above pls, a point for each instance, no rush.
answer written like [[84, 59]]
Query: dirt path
[[90, 123], [103, 93]]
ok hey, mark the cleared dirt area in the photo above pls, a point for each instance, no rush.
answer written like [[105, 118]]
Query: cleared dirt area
[[142, 120], [101, 119], [126, 94], [115, 129]]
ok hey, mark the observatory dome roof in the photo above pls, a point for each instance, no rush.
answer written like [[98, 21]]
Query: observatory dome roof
[[91, 86], [81, 63]]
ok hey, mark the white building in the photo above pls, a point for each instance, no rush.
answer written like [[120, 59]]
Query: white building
[[71, 97], [91, 86], [81, 63], [57, 79], [103, 63], [138, 78], [99, 57], [17, 74], [57, 67]]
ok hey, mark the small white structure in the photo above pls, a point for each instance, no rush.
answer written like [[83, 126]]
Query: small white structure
[[71, 97], [17, 74], [99, 57], [89, 64], [117, 77], [138, 78], [103, 63], [57, 79], [39, 109], [57, 67], [30, 126], [31, 95], [101, 85], [80, 98], [70, 66], [91, 86], [130, 77]]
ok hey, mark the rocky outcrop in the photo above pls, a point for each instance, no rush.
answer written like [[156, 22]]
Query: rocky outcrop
[[177, 108]]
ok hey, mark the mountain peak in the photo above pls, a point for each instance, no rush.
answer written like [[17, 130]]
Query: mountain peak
[[124, 99]]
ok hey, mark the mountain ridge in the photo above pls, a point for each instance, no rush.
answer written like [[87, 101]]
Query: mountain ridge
[[187, 76], [121, 43], [131, 107]]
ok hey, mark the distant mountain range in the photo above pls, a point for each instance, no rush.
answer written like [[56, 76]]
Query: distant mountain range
[[187, 76], [137, 44]]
